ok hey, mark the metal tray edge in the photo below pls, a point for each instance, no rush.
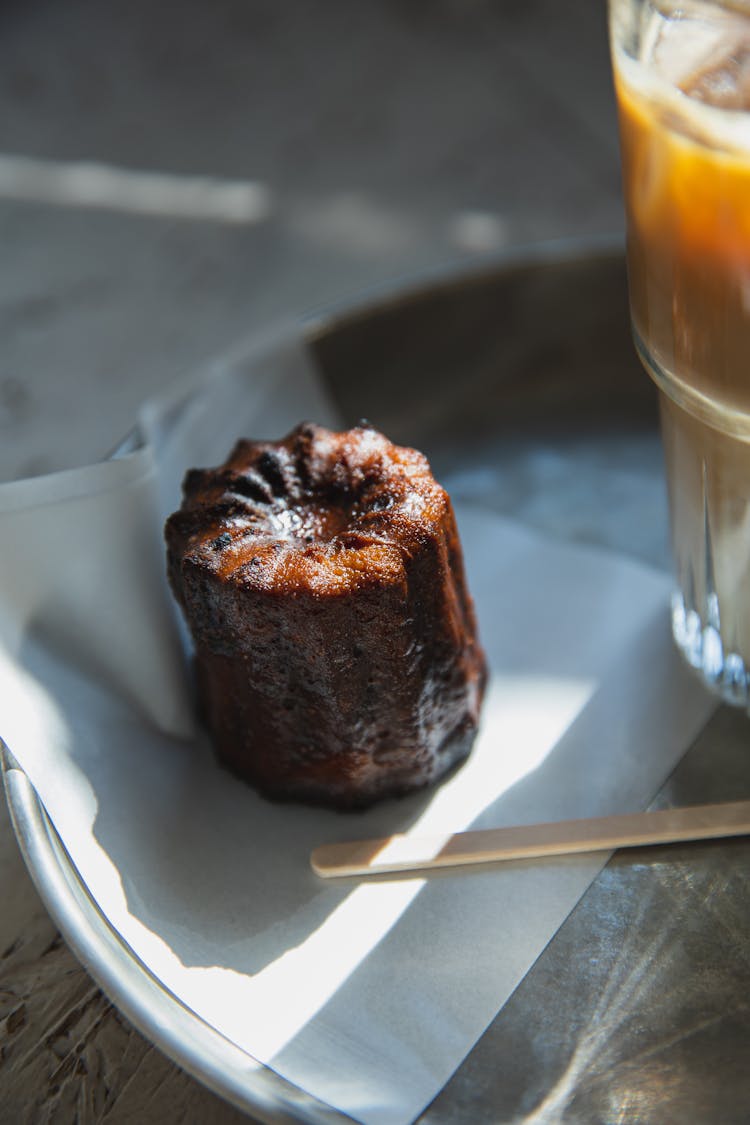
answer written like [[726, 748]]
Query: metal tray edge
[[176, 1030]]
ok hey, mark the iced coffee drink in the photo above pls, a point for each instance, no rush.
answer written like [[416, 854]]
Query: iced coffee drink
[[682, 74]]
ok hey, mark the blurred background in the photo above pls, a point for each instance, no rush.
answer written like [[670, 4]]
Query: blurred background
[[177, 176]]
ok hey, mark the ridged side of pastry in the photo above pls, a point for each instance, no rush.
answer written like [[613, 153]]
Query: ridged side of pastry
[[336, 651]]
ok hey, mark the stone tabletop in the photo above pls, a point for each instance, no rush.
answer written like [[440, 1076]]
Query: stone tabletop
[[175, 177]]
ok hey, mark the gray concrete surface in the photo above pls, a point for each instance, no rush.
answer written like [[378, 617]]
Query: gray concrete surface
[[375, 140]]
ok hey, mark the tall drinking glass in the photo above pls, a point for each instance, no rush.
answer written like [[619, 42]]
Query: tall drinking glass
[[682, 76]]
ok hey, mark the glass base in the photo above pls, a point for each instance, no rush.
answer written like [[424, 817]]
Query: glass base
[[701, 645]]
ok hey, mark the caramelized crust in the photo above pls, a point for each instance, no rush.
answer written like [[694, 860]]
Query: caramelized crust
[[322, 579]]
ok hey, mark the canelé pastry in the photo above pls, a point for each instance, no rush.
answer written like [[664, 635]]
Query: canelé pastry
[[336, 650]]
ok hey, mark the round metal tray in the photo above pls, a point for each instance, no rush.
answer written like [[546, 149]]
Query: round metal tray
[[519, 380]]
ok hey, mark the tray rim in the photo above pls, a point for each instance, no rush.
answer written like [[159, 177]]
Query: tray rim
[[157, 1013], [376, 299]]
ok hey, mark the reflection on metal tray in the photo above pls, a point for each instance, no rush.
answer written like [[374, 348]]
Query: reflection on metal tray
[[520, 382]]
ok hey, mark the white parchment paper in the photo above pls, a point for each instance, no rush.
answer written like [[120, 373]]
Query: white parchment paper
[[368, 995]]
